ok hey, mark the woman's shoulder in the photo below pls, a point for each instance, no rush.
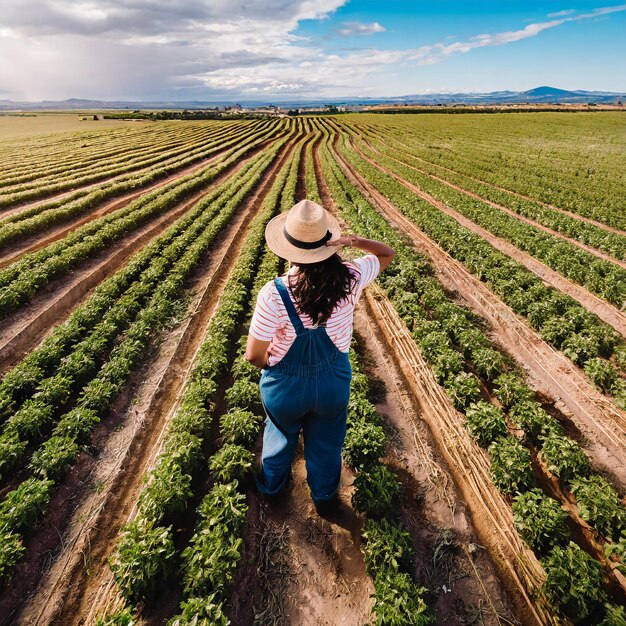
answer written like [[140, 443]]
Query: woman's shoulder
[[353, 266], [364, 265]]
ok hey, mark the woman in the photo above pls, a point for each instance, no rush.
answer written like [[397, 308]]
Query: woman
[[300, 335]]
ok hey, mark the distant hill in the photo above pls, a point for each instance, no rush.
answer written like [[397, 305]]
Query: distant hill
[[538, 95], [543, 94]]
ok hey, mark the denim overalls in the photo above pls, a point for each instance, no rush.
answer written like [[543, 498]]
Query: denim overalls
[[308, 390]]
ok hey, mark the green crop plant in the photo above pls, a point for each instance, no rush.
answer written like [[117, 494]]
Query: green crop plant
[[377, 492], [510, 465], [231, 462], [485, 422], [240, 426], [564, 457], [599, 505], [540, 520], [143, 559], [574, 581], [398, 601]]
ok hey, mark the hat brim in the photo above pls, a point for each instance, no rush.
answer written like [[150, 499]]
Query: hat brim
[[279, 245]]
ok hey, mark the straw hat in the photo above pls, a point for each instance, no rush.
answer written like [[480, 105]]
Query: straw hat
[[300, 234]]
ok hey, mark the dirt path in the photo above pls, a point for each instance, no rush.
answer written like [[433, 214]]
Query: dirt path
[[491, 515], [571, 214], [500, 207], [328, 585], [465, 581], [605, 311], [79, 584], [549, 372], [23, 329]]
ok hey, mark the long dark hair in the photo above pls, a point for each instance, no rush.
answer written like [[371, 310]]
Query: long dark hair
[[320, 286]]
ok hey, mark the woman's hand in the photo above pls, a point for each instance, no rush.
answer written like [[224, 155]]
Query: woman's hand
[[348, 240], [384, 253]]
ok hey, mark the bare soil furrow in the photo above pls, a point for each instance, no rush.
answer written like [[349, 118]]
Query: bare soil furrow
[[71, 593], [605, 311], [549, 372]]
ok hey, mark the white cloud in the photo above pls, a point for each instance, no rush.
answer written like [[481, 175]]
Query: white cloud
[[203, 49], [562, 13], [360, 28], [428, 55]]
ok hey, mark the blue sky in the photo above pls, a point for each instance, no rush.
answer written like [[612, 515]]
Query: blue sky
[[588, 53], [303, 49]]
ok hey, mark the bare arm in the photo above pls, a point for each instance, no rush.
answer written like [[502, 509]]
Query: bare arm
[[257, 352], [384, 253]]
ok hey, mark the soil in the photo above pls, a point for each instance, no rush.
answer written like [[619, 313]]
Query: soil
[[78, 584], [605, 311], [328, 584], [510, 212], [548, 371], [25, 328]]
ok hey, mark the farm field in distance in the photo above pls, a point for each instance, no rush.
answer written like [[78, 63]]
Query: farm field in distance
[[484, 477]]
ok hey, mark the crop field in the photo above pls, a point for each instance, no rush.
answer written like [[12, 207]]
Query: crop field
[[484, 475]]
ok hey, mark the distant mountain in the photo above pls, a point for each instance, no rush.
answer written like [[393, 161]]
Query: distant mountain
[[543, 94], [538, 95]]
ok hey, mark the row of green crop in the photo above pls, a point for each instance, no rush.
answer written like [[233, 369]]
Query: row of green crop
[[387, 544], [210, 561], [145, 557], [25, 504], [41, 151], [387, 549], [462, 359], [601, 277], [587, 233], [562, 163], [41, 189], [29, 425], [30, 222], [22, 280], [123, 170], [158, 143], [559, 319]]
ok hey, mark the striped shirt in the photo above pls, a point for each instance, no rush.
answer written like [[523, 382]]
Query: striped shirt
[[270, 321]]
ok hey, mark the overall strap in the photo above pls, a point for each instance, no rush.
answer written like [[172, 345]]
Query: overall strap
[[291, 309]]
